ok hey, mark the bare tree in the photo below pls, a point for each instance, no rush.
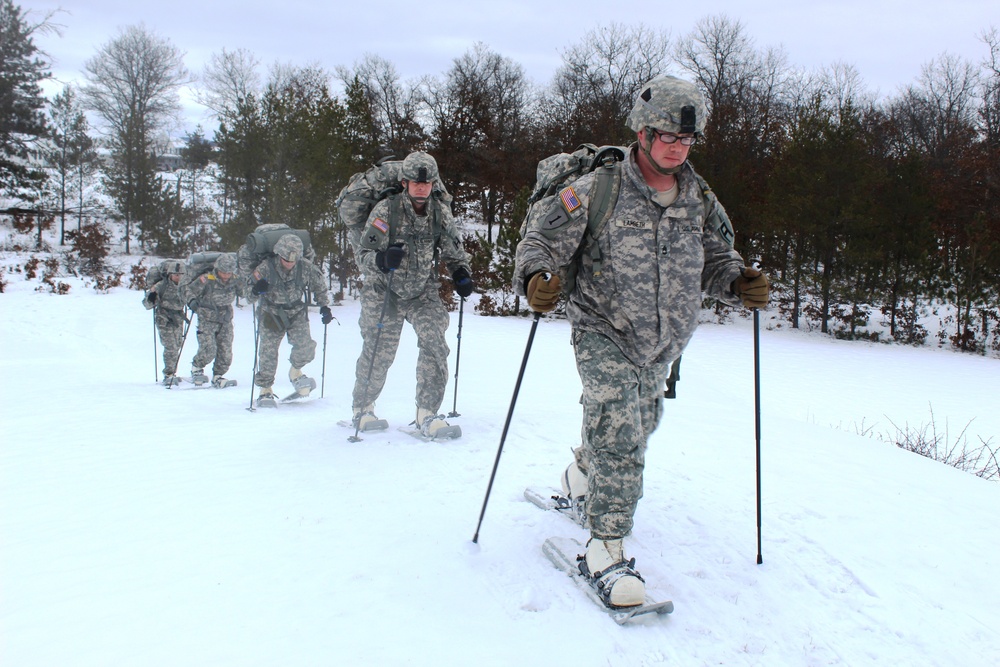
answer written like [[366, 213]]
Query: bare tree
[[132, 84], [393, 105], [594, 90], [228, 78]]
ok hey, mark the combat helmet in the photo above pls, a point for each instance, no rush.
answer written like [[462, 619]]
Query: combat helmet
[[172, 266], [419, 167], [226, 263], [669, 104], [289, 248]]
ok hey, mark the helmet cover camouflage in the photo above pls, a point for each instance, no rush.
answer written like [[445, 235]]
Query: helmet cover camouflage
[[419, 167], [289, 248], [669, 104], [226, 263], [173, 266]]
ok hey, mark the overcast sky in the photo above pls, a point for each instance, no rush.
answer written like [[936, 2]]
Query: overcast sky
[[887, 41]]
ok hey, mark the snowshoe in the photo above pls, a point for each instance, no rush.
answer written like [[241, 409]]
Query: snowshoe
[[266, 399], [198, 377], [220, 382], [171, 381]]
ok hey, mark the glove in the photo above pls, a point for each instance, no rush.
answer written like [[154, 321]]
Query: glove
[[152, 297], [325, 315], [543, 291], [260, 287], [752, 287], [389, 259], [463, 282]]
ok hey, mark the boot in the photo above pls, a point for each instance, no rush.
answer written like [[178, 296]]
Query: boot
[[574, 487], [220, 382], [266, 399], [615, 579], [303, 383], [429, 423], [364, 419], [198, 376], [170, 379]]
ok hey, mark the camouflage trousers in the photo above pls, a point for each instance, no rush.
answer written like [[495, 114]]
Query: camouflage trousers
[[215, 339], [622, 406], [170, 324], [273, 326], [429, 319]]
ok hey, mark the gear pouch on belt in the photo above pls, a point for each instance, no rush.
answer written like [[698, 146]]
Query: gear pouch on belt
[[277, 321]]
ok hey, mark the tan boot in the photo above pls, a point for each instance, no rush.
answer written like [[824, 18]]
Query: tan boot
[[574, 487], [429, 423], [615, 578]]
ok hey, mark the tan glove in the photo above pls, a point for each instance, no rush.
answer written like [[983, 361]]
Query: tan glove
[[752, 287], [543, 291]]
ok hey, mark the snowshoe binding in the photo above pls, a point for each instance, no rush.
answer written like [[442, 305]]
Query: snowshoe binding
[[198, 377]]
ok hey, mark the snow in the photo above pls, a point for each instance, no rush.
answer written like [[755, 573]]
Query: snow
[[143, 526]]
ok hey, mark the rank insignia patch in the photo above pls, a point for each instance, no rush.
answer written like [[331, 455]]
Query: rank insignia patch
[[569, 200]]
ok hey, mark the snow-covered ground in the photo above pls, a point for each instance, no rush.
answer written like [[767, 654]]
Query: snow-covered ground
[[141, 526]]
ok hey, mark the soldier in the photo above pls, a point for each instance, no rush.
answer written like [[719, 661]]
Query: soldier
[[211, 296], [165, 293], [280, 283], [408, 234], [633, 308]]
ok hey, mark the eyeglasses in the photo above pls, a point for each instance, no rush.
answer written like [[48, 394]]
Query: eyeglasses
[[669, 138]]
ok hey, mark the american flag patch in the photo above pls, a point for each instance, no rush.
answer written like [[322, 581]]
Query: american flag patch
[[381, 225], [569, 200]]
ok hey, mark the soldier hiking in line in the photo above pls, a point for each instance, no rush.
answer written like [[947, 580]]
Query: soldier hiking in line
[[280, 283], [399, 251], [211, 296], [633, 308], [164, 292]]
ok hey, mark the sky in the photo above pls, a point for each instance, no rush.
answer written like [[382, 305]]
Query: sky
[[886, 40], [149, 527]]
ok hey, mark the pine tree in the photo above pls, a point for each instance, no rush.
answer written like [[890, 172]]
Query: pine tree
[[22, 121]]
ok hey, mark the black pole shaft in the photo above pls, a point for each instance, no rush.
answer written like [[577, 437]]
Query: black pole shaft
[[322, 385], [510, 413], [458, 358], [371, 364], [187, 327], [156, 361], [756, 387]]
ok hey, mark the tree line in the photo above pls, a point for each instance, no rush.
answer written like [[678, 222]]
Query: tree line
[[864, 210]]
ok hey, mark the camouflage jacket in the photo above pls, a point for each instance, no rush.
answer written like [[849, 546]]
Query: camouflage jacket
[[655, 263], [286, 289], [424, 248], [208, 295]]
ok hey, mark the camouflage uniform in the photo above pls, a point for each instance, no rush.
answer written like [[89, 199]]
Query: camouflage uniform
[[212, 299], [630, 319], [282, 312], [414, 296], [169, 314]]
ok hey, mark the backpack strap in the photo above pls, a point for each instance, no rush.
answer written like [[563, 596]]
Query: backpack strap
[[602, 203]]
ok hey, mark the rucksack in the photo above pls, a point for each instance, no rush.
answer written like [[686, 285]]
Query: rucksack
[[200, 263], [259, 245], [556, 172], [367, 188]]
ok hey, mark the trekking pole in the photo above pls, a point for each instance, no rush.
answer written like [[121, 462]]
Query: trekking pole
[[371, 364], [256, 345], [156, 362], [187, 327], [503, 436], [322, 382], [458, 357], [756, 387]]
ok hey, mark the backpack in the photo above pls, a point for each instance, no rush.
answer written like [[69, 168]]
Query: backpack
[[367, 188], [259, 246], [558, 171], [199, 264]]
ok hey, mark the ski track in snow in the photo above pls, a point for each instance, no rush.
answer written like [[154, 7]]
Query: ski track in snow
[[145, 526]]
